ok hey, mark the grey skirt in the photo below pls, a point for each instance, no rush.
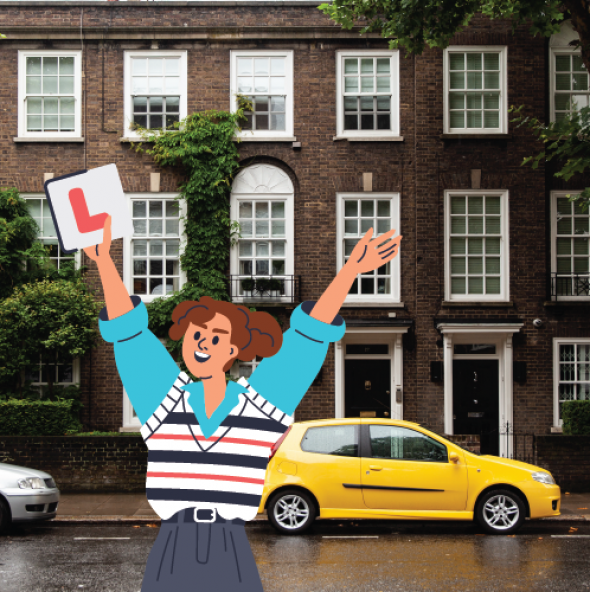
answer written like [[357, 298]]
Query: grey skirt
[[189, 555]]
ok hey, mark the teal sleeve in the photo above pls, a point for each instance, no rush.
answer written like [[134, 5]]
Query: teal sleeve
[[144, 364], [284, 378]]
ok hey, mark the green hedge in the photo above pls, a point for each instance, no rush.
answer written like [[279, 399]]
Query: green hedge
[[37, 418], [576, 418]]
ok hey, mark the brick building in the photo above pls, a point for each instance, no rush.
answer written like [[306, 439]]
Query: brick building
[[346, 134]]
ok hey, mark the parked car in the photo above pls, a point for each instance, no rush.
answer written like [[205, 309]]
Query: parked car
[[26, 495], [388, 469]]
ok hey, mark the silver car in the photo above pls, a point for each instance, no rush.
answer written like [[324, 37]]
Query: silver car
[[26, 495]]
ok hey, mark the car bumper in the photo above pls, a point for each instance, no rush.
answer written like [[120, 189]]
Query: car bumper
[[544, 500], [33, 505]]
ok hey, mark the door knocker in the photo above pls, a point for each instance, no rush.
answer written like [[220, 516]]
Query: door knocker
[[367, 385]]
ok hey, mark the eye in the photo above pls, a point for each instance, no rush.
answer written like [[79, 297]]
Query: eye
[[215, 340], [197, 336]]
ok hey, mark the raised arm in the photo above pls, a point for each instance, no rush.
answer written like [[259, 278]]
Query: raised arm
[[144, 364], [284, 378]]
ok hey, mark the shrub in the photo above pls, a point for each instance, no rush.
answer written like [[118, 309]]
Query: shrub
[[576, 418], [37, 418]]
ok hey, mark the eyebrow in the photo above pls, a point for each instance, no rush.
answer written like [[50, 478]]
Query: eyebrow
[[221, 331]]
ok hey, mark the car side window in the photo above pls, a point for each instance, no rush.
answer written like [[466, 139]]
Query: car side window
[[335, 440], [404, 444]]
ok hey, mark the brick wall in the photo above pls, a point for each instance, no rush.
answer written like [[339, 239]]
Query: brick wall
[[568, 459], [92, 463], [421, 168]]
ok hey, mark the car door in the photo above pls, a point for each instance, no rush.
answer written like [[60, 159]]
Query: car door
[[405, 469], [330, 465]]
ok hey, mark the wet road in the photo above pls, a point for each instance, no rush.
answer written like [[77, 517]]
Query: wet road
[[380, 557]]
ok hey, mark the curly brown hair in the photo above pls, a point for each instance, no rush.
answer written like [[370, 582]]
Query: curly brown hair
[[253, 333]]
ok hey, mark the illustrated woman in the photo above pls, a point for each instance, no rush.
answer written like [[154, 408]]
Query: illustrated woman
[[209, 441]]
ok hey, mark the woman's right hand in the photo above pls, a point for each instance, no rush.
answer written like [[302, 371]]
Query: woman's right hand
[[100, 252]]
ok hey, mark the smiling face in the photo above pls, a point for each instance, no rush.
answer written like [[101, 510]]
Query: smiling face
[[207, 348]]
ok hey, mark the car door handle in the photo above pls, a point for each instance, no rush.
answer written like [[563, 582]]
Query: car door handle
[[375, 468]]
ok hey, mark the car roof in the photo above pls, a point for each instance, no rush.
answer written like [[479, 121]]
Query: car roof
[[356, 421]]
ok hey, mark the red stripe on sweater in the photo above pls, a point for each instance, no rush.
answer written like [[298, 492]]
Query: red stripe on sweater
[[202, 438], [204, 476]]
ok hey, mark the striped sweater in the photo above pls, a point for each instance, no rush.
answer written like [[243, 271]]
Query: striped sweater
[[225, 471]]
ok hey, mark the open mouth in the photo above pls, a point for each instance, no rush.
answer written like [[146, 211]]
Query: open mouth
[[201, 357]]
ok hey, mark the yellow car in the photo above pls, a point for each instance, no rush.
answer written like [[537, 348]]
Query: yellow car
[[388, 469]]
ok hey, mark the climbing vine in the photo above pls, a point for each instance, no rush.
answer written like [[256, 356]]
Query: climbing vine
[[204, 147]]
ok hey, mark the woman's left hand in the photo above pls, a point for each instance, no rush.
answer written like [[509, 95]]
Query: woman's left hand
[[371, 253]]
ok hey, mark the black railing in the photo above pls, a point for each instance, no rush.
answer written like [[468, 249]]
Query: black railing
[[509, 444], [570, 284], [265, 289]]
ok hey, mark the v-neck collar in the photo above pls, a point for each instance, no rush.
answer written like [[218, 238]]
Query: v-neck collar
[[208, 425]]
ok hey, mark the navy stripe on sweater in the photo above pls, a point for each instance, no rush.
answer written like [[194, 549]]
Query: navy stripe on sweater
[[207, 458], [231, 421], [196, 495]]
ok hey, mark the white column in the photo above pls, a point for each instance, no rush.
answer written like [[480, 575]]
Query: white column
[[397, 409], [506, 409], [448, 382], [338, 380]]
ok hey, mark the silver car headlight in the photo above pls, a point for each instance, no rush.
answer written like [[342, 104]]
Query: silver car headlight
[[543, 478], [32, 483]]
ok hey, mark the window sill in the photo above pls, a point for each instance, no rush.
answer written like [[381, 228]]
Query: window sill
[[476, 136], [467, 304], [373, 305], [47, 139], [265, 139], [581, 302], [369, 138], [125, 429], [127, 139]]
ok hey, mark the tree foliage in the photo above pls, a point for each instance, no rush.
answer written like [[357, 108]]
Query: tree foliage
[[52, 319], [415, 24], [203, 146], [567, 141]]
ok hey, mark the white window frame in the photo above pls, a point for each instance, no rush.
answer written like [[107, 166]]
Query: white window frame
[[394, 132], [127, 258], [503, 50], [394, 198], [77, 254], [265, 135], [504, 295], [75, 376], [557, 422], [22, 93], [132, 134], [554, 196]]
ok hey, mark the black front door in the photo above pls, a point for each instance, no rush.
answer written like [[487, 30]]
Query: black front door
[[476, 401], [367, 388]]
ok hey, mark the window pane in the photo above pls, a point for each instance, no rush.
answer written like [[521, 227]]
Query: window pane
[[335, 440], [34, 65], [457, 61], [383, 65], [351, 66], [49, 66]]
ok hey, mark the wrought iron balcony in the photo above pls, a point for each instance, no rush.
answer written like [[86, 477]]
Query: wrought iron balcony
[[570, 285], [265, 289]]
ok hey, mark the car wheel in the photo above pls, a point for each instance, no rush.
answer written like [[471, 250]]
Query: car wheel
[[500, 511], [291, 511], [4, 516]]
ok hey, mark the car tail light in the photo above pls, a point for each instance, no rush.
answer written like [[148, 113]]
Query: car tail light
[[277, 444]]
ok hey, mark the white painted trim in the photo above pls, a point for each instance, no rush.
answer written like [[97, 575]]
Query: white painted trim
[[127, 273], [504, 295], [557, 341], [268, 135], [390, 335], [554, 51], [129, 134], [501, 335], [554, 196], [503, 49], [392, 134], [387, 299], [23, 134]]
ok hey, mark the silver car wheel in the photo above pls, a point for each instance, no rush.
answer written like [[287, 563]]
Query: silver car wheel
[[501, 512], [291, 512]]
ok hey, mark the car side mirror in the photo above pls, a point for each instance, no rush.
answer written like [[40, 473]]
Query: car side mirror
[[454, 457]]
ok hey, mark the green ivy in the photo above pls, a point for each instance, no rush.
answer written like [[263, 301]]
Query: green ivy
[[38, 418], [204, 147]]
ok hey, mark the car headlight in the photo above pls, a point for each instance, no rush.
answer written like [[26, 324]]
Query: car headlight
[[32, 483], [543, 478]]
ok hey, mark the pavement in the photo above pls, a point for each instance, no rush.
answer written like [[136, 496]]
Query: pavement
[[134, 507]]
